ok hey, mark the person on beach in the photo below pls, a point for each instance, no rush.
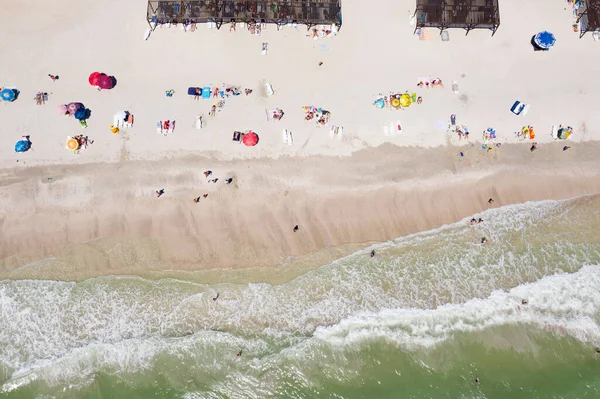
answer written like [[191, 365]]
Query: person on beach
[[229, 180], [160, 192], [461, 154], [207, 173], [484, 240], [248, 91], [232, 25], [296, 228], [204, 196], [196, 200], [419, 100], [53, 77], [372, 253], [491, 201], [214, 180], [565, 148], [213, 111], [533, 147]]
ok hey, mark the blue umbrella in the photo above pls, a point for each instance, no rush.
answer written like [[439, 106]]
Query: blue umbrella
[[379, 103], [81, 114], [22, 145], [544, 40], [8, 94]]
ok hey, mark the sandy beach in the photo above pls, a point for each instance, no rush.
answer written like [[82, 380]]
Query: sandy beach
[[99, 206]]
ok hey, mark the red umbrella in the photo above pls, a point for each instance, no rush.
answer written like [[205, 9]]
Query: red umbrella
[[105, 82], [93, 79], [250, 139]]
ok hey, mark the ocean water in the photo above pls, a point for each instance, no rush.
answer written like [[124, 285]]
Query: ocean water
[[422, 319]]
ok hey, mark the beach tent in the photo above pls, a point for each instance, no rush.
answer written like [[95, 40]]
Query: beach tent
[[8, 94], [250, 139], [23, 145]]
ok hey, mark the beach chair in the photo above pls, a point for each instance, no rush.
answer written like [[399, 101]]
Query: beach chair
[[199, 122]]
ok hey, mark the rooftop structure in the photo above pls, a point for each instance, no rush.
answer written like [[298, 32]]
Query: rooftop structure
[[589, 18], [465, 14], [280, 12]]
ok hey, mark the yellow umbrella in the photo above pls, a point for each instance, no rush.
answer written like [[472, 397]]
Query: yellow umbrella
[[72, 144], [405, 100], [395, 103]]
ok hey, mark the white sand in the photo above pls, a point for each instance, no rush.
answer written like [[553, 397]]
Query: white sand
[[366, 58]]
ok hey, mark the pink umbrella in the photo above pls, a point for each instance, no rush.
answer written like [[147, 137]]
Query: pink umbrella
[[93, 79], [61, 109], [73, 107], [105, 82]]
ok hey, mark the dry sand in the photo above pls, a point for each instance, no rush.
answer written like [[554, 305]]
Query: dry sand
[[99, 215]]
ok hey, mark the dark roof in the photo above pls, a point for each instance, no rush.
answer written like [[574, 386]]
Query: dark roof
[[466, 14], [309, 12], [590, 17]]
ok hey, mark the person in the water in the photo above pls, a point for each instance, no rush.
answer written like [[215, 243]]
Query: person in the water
[[484, 240], [372, 253]]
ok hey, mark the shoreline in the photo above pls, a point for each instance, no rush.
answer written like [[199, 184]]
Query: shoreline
[[105, 219]]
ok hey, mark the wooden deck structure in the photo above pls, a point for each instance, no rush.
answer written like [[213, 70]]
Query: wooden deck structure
[[465, 14], [280, 12], [589, 18]]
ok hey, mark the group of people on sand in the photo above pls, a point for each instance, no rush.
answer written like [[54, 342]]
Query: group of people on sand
[[207, 174], [437, 82]]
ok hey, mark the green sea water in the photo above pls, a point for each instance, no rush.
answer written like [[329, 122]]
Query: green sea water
[[424, 318]]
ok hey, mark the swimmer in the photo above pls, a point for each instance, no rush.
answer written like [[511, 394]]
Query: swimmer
[[296, 228], [524, 302], [473, 221], [217, 297], [372, 253], [484, 240], [239, 354], [480, 220]]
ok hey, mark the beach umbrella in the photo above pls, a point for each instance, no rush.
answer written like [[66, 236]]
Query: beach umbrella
[[22, 145], [72, 144], [379, 103], [73, 107], [250, 139], [8, 94], [93, 79], [405, 100], [544, 40], [61, 109], [395, 102], [105, 82], [81, 114]]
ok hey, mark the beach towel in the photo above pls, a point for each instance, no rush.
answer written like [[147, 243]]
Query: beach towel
[[206, 92], [199, 122], [271, 114], [159, 127], [269, 89]]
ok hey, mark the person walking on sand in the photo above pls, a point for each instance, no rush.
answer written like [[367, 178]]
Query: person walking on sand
[[565, 148], [228, 180], [204, 196], [491, 201], [296, 228], [196, 200], [160, 192], [207, 173]]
